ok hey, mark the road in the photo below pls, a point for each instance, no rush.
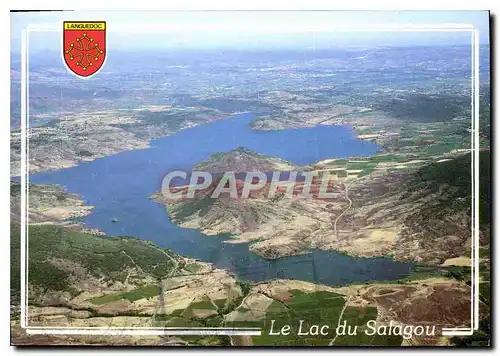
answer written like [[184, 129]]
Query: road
[[340, 319], [345, 211], [161, 301]]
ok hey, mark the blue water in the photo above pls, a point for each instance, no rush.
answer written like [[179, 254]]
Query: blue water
[[119, 187]]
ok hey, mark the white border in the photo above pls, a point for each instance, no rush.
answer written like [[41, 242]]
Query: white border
[[474, 194], [461, 331]]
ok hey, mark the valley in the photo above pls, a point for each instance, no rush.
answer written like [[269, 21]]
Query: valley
[[392, 244]]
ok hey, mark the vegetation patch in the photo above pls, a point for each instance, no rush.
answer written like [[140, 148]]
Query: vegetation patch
[[316, 308], [99, 256], [148, 291]]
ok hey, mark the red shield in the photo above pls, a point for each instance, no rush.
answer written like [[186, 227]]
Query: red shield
[[84, 46]]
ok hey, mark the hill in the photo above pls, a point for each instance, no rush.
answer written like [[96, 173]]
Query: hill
[[417, 214], [242, 160], [82, 280]]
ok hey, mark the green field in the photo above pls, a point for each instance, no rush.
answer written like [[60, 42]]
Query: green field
[[148, 291], [98, 256], [316, 308]]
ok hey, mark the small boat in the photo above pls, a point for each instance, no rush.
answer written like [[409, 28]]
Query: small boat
[[114, 220]]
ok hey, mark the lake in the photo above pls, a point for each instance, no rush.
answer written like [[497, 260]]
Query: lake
[[119, 187]]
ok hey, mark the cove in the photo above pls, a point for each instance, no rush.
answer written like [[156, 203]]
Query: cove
[[119, 187]]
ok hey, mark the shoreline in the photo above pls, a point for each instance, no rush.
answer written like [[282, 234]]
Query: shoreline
[[146, 144], [292, 252]]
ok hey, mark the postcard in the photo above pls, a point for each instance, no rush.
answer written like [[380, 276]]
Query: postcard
[[250, 178]]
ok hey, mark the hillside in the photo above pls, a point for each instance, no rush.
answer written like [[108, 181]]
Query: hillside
[[47, 203], [425, 107], [428, 209], [410, 214], [61, 261], [455, 175], [242, 159], [82, 280]]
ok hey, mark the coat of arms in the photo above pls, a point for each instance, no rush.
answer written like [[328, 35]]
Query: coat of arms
[[84, 46]]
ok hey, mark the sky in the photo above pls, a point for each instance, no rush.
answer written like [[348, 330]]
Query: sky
[[150, 30]]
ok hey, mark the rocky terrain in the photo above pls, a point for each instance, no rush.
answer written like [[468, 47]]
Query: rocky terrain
[[410, 202], [74, 138], [82, 280], [47, 203], [279, 226], [243, 160], [305, 111], [128, 283], [405, 215]]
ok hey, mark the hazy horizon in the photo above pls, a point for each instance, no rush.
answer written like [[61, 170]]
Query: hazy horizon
[[252, 30]]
